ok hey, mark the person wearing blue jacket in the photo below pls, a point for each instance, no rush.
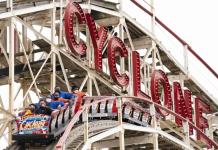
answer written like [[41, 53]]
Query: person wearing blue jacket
[[43, 108], [63, 94], [49, 103], [56, 105]]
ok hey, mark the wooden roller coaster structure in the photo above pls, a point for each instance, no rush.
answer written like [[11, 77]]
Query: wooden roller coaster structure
[[137, 96]]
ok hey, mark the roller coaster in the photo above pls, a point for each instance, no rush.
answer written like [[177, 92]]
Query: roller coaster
[[142, 92]]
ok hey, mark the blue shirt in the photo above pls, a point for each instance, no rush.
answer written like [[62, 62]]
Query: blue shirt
[[54, 105], [65, 95]]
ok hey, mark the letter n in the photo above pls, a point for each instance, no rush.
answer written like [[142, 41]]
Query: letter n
[[182, 104]]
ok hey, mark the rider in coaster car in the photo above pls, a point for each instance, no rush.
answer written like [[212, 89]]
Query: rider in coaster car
[[63, 94], [54, 104], [43, 108], [56, 98], [75, 90], [70, 97], [30, 110]]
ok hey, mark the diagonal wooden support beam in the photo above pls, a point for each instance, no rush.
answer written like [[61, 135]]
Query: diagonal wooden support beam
[[27, 61], [6, 112], [4, 126]]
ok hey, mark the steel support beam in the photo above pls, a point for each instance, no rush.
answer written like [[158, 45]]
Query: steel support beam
[[27, 62], [154, 125], [186, 132], [101, 136], [53, 55], [60, 38], [34, 80], [96, 87], [157, 131], [186, 59], [100, 9], [11, 74], [114, 143], [2, 110], [2, 129], [83, 83], [26, 11], [4, 52], [120, 120], [64, 72]]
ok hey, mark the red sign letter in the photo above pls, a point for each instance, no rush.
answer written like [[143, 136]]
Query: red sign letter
[[157, 76], [71, 10], [98, 39], [136, 72], [136, 75], [182, 104], [116, 45], [201, 122]]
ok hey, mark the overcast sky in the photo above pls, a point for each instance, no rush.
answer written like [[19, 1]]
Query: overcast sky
[[196, 21]]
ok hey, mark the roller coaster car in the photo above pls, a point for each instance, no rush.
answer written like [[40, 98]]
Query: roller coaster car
[[135, 115], [38, 128]]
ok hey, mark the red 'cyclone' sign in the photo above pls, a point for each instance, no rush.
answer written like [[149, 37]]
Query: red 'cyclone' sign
[[116, 47]]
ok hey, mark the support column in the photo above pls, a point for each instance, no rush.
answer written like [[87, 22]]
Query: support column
[[11, 75], [154, 55], [90, 54], [186, 131], [9, 4], [154, 51], [120, 119], [121, 36], [24, 40], [86, 125], [89, 85], [122, 59], [53, 56], [24, 88], [89, 81], [60, 40], [186, 58], [154, 125]]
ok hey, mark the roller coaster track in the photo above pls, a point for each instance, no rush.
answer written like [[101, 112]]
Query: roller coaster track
[[92, 126], [75, 138]]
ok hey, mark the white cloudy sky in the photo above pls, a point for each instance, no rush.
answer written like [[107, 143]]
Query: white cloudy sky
[[196, 22]]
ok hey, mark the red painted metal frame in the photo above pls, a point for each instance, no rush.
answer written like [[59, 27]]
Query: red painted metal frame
[[178, 38]]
